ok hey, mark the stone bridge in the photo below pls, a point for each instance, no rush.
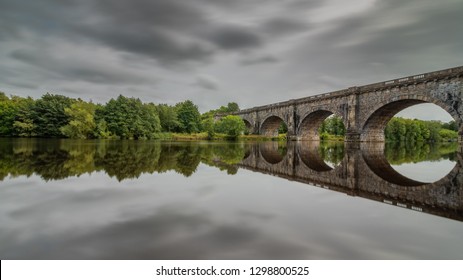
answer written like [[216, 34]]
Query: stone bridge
[[365, 110], [364, 171]]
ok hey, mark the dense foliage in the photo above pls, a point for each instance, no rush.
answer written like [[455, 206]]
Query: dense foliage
[[407, 130], [400, 130], [57, 116], [232, 126], [332, 126]]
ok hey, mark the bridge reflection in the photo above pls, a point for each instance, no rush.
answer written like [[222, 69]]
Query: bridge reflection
[[359, 170]]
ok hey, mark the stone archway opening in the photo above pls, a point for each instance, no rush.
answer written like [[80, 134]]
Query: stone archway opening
[[272, 126], [418, 137], [414, 120], [321, 125]]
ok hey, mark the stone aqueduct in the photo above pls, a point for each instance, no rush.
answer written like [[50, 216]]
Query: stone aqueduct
[[364, 110]]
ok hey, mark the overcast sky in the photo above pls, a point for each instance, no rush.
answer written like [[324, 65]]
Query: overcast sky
[[253, 52]]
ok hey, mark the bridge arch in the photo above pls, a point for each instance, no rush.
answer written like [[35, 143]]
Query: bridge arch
[[382, 113], [311, 122], [270, 125]]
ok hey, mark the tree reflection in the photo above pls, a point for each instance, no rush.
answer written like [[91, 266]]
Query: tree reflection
[[332, 152], [59, 159], [399, 153]]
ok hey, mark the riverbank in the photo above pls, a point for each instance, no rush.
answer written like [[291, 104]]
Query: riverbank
[[216, 137]]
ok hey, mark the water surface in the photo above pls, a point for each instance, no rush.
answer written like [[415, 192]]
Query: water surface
[[66, 199]]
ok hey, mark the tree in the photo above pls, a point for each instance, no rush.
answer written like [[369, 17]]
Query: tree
[[332, 126], [411, 131], [452, 125], [168, 117], [283, 128], [231, 125], [82, 122], [129, 118], [232, 107], [188, 116], [23, 125], [208, 126], [8, 111], [3, 96], [48, 115]]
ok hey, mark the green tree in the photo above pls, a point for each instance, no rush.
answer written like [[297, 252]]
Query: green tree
[[188, 116], [48, 115], [168, 118], [452, 125], [8, 111], [407, 130], [231, 125], [23, 125], [129, 118], [208, 126], [232, 107], [81, 120], [332, 126], [283, 128], [3, 96]]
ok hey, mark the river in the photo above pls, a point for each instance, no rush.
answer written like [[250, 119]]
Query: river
[[101, 199]]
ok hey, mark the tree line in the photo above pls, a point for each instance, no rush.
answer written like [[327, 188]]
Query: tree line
[[407, 130], [400, 130], [58, 116]]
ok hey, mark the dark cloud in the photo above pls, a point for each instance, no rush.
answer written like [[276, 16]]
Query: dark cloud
[[110, 46], [285, 26], [234, 37]]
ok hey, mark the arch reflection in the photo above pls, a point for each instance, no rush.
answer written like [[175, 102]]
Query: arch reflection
[[312, 156], [273, 152], [366, 171], [374, 157]]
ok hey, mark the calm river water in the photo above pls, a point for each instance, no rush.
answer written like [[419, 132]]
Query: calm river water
[[66, 199]]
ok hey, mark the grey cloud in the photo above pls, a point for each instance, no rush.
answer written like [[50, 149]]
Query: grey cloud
[[285, 26], [259, 60], [148, 13], [393, 36], [166, 234], [285, 5], [157, 44], [206, 82], [76, 69], [234, 37]]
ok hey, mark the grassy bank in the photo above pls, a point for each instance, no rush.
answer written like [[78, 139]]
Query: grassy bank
[[217, 137]]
